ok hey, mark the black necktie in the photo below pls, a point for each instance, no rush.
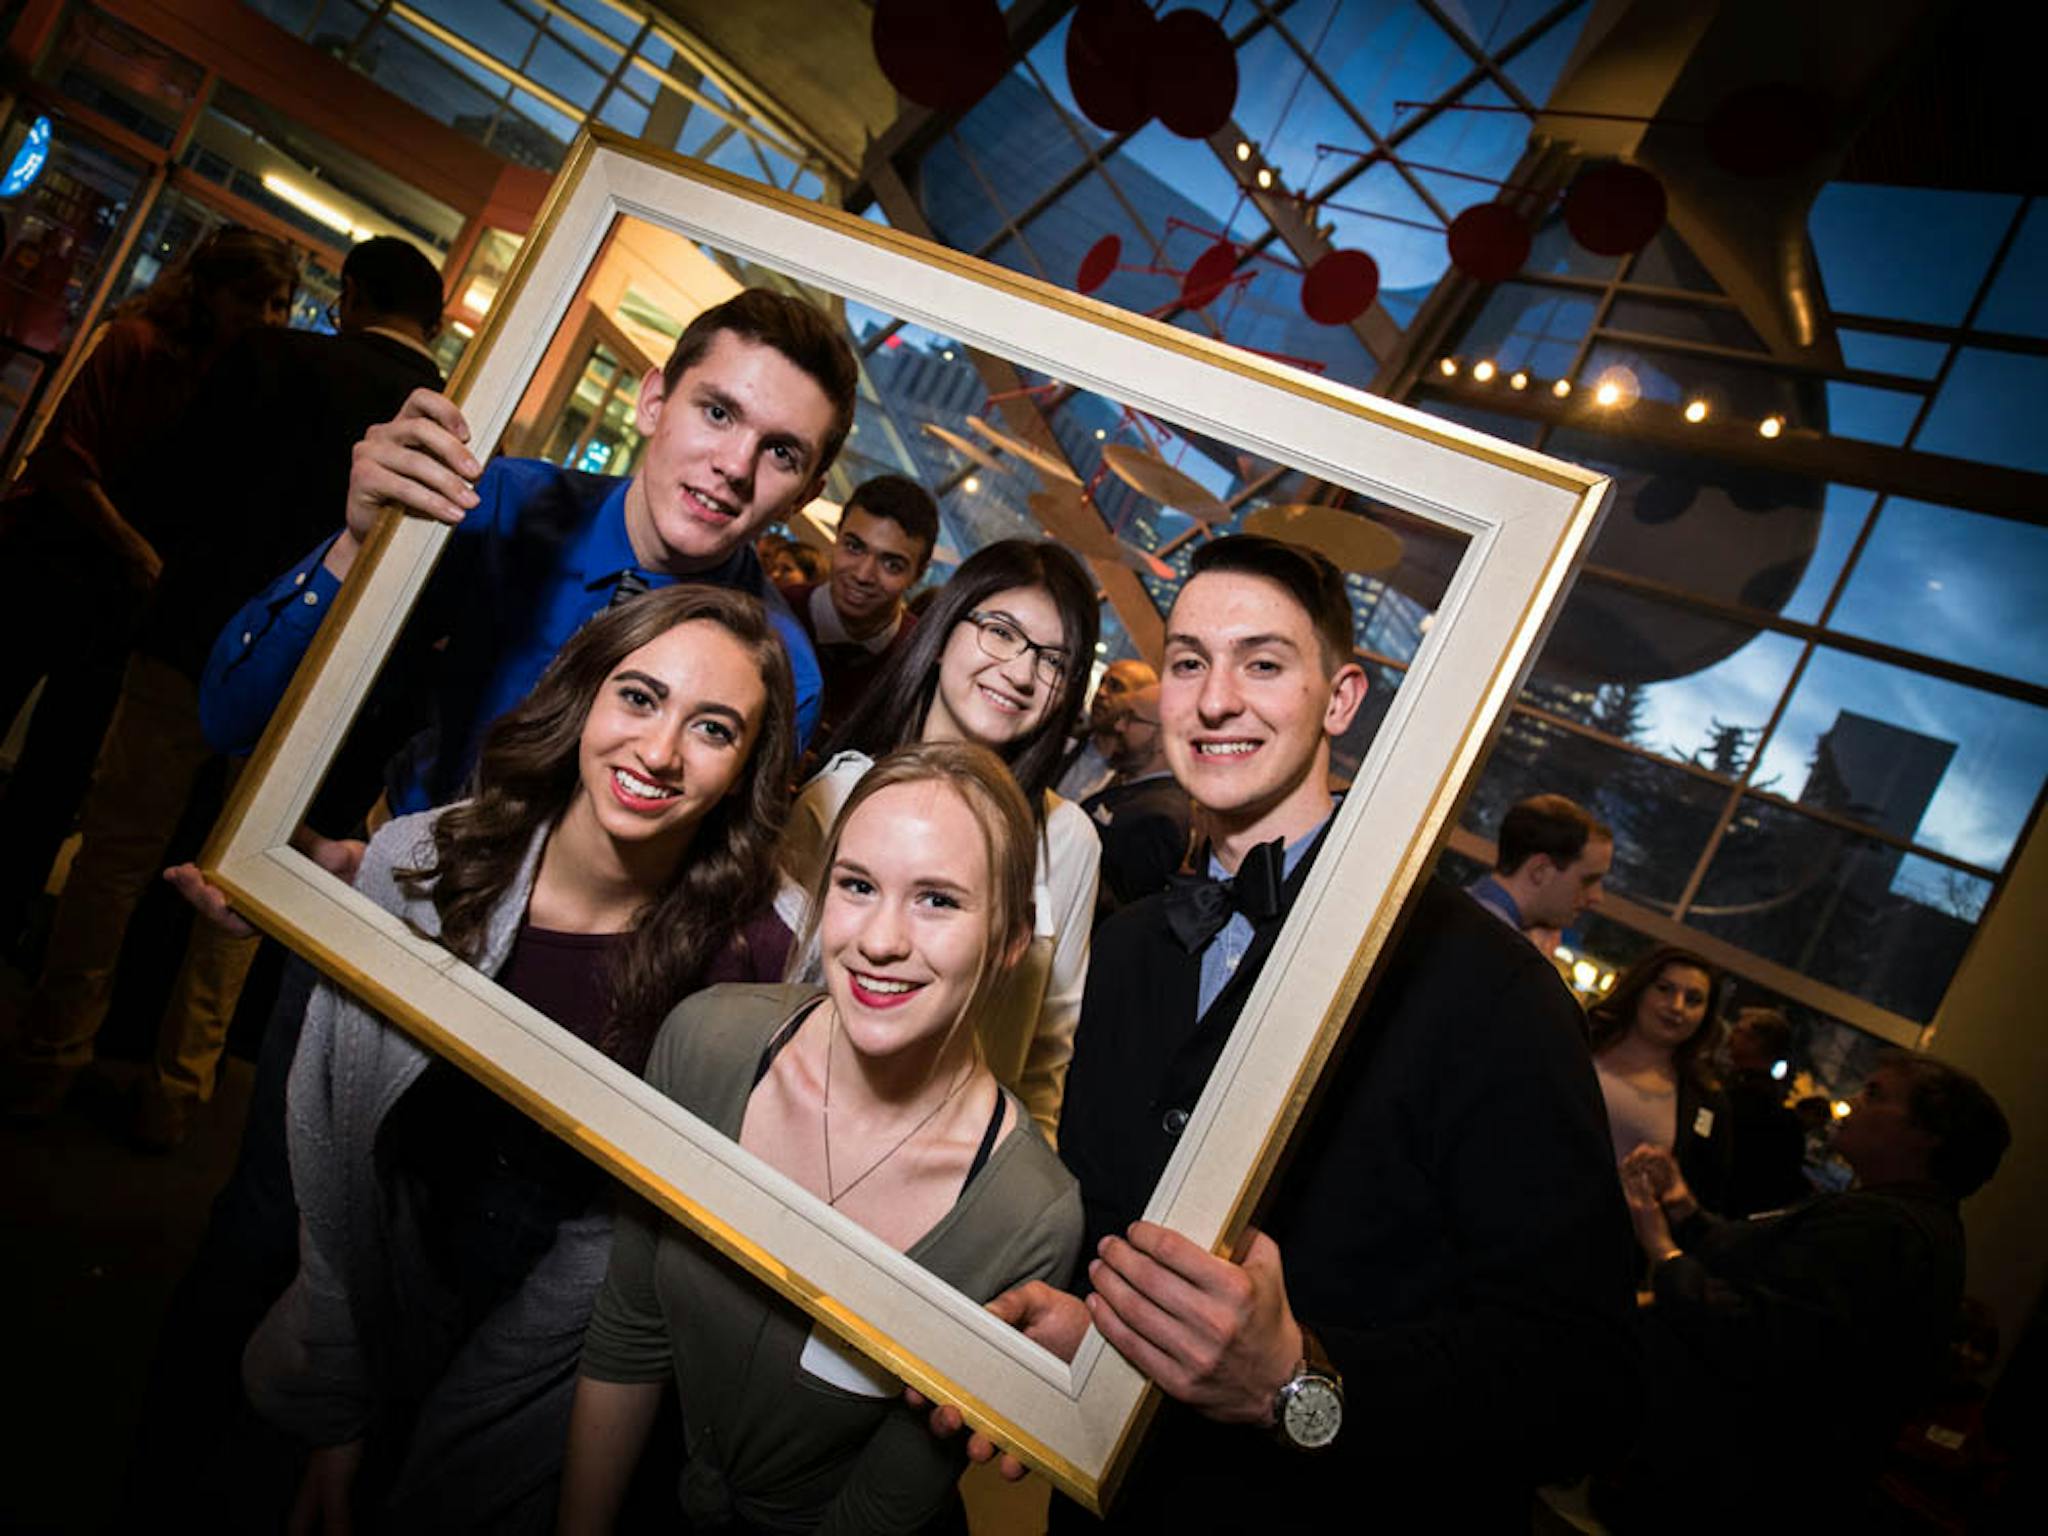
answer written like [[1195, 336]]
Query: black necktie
[[1197, 906]]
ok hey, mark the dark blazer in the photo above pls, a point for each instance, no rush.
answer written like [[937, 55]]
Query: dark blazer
[[1144, 830], [262, 469], [1449, 1222]]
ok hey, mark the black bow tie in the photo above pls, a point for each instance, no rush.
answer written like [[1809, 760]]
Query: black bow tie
[[1197, 906]]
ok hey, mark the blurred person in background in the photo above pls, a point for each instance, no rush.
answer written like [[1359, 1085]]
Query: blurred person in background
[[1767, 1143], [295, 403], [1859, 1289], [86, 529]]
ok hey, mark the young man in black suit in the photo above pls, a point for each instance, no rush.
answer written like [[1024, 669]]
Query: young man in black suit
[[1435, 1316]]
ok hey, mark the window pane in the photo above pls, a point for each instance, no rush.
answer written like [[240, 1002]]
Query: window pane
[[1711, 716], [1382, 51], [1907, 253], [1871, 415], [1839, 908], [625, 112], [1949, 767], [1534, 328], [1017, 141], [1989, 409], [1478, 143], [603, 17], [1536, 68], [496, 28], [1843, 509], [1957, 585], [123, 75], [1661, 815], [557, 69], [1877, 353], [2018, 300]]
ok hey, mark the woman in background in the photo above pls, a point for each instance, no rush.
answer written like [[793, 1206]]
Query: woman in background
[[1651, 1039], [616, 854], [1000, 660], [872, 1094]]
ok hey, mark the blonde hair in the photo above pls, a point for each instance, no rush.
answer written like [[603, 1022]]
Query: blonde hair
[[1008, 838]]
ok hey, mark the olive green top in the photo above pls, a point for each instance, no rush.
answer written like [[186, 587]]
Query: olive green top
[[771, 1442]]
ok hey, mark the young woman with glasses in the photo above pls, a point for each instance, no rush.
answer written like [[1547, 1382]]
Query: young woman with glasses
[[1000, 659]]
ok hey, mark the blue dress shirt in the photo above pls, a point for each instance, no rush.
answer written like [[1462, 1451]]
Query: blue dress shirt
[[541, 552]]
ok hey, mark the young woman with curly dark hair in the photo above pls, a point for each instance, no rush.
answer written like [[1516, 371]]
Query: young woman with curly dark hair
[[615, 855]]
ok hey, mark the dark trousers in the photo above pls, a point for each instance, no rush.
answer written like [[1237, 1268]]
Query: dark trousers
[[199, 1450]]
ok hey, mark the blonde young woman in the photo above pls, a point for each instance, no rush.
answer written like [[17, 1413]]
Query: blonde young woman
[[872, 1093]]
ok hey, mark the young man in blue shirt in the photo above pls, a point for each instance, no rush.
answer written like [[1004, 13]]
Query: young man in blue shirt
[[740, 427]]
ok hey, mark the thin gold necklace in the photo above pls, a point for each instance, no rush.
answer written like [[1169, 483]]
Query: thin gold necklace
[[833, 1194]]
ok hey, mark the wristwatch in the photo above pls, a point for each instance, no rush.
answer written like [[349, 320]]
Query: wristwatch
[[1309, 1408]]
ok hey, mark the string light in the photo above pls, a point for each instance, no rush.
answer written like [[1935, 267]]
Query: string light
[[970, 485], [1483, 370], [1696, 411], [1519, 379], [1770, 426], [1448, 367], [1617, 389], [1607, 394], [1244, 150], [1561, 388], [1100, 434], [1265, 177]]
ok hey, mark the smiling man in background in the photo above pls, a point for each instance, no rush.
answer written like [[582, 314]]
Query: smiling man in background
[[856, 618]]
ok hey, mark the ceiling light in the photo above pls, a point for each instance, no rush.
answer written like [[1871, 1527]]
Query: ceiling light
[[1607, 394], [1483, 370], [1265, 177], [1561, 388], [1519, 379], [1448, 367], [1244, 150], [970, 485], [1696, 411], [1100, 434], [291, 192], [1770, 426]]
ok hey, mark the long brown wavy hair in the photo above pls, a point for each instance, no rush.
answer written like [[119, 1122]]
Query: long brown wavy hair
[[1609, 1019], [527, 774]]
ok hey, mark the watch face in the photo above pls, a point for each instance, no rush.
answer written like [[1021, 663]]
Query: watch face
[[1314, 1413]]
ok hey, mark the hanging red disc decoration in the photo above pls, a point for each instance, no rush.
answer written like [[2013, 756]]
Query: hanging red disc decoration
[[1340, 287], [1108, 44], [1191, 74], [1612, 209], [1100, 261], [1209, 276], [1767, 130], [1488, 242], [942, 54]]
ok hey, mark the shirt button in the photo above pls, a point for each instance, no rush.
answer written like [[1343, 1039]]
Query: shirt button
[[312, 599], [1174, 1122]]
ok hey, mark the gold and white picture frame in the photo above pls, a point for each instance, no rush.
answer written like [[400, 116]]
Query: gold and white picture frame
[[1524, 520]]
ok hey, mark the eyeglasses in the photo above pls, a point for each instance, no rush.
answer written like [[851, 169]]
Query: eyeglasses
[[1000, 638]]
